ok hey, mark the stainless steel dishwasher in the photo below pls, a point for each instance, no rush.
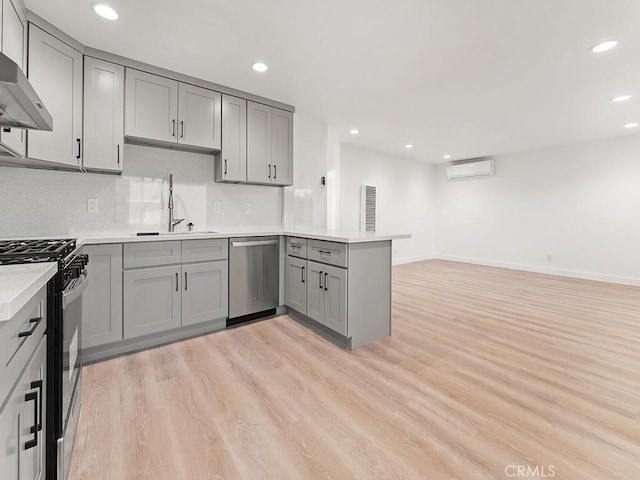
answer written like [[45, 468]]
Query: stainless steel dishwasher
[[254, 278]]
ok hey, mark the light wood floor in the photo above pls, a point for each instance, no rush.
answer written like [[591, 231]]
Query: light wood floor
[[486, 368]]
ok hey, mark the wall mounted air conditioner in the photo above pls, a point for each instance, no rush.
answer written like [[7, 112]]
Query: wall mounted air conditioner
[[480, 168]]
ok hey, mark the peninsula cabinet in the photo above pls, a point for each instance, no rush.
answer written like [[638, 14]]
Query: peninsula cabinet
[[269, 145], [159, 110], [14, 46], [342, 291], [103, 115], [231, 162], [55, 71]]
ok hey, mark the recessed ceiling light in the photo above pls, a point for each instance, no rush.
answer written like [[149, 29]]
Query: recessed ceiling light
[[408, 146], [604, 46], [105, 11], [260, 67], [631, 125], [621, 98], [354, 131], [447, 157]]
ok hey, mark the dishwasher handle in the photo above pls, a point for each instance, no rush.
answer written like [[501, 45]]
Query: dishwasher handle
[[257, 243]]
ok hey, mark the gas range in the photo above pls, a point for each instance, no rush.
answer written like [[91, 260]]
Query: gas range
[[13, 252]]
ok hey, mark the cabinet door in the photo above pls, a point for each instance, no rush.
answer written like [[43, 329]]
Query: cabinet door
[[14, 41], [55, 71], [282, 147], [296, 284], [199, 115], [151, 300], [315, 292], [102, 300], [151, 106], [259, 167], [205, 293], [103, 115], [335, 300], [233, 165], [32, 389]]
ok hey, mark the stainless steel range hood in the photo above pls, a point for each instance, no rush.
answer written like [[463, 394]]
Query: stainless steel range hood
[[20, 105]]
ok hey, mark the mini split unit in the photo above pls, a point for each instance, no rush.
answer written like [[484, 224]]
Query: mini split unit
[[479, 168]]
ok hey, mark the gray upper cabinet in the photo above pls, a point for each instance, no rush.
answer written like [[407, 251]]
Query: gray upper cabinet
[[151, 107], [231, 163], [162, 111], [14, 46], [102, 300], [55, 71], [335, 299], [295, 284], [259, 168], [282, 147], [205, 292], [152, 300], [269, 145], [103, 115], [199, 117]]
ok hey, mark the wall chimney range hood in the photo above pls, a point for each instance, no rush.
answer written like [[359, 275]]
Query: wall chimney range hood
[[20, 106]]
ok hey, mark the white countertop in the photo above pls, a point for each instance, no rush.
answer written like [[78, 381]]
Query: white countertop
[[316, 234], [19, 284]]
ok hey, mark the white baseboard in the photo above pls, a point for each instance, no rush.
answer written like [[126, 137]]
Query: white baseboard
[[599, 277], [419, 258]]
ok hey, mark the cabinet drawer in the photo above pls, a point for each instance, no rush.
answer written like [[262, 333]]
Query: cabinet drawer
[[151, 254], [297, 247], [205, 250], [332, 253], [15, 350]]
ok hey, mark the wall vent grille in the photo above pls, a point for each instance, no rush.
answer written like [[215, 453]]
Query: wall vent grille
[[367, 208]]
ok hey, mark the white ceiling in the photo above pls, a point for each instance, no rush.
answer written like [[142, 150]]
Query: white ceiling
[[462, 77]]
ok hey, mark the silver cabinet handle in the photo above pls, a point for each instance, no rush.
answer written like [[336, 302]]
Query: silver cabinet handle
[[181, 128], [185, 280], [225, 166], [173, 127], [118, 154], [269, 170], [325, 281], [176, 282], [302, 274], [320, 281], [275, 172], [79, 148], [324, 252]]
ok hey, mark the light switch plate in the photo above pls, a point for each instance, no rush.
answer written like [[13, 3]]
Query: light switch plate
[[92, 205], [216, 207]]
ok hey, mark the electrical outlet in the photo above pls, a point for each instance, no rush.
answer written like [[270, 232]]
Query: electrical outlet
[[549, 258], [92, 205], [247, 209], [216, 207]]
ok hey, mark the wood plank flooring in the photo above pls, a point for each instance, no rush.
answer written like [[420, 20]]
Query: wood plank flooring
[[486, 368]]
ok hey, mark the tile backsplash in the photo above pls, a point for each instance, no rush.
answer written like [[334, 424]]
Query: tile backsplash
[[45, 202]]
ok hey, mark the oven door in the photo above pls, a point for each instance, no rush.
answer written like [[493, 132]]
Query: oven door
[[71, 364]]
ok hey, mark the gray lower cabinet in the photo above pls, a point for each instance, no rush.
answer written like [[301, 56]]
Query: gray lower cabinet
[[102, 300], [315, 292], [23, 422], [205, 293], [152, 300], [295, 288], [335, 299]]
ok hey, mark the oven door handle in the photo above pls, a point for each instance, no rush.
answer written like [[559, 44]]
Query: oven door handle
[[72, 295]]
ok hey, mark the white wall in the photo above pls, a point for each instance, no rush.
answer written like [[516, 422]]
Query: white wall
[[305, 203], [580, 204], [45, 202], [405, 199]]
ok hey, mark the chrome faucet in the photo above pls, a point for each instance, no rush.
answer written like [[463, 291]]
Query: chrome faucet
[[172, 221]]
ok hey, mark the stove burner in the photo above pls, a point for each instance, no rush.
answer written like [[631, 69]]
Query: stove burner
[[34, 251]]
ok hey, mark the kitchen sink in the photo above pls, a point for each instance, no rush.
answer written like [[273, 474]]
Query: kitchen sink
[[199, 232]]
